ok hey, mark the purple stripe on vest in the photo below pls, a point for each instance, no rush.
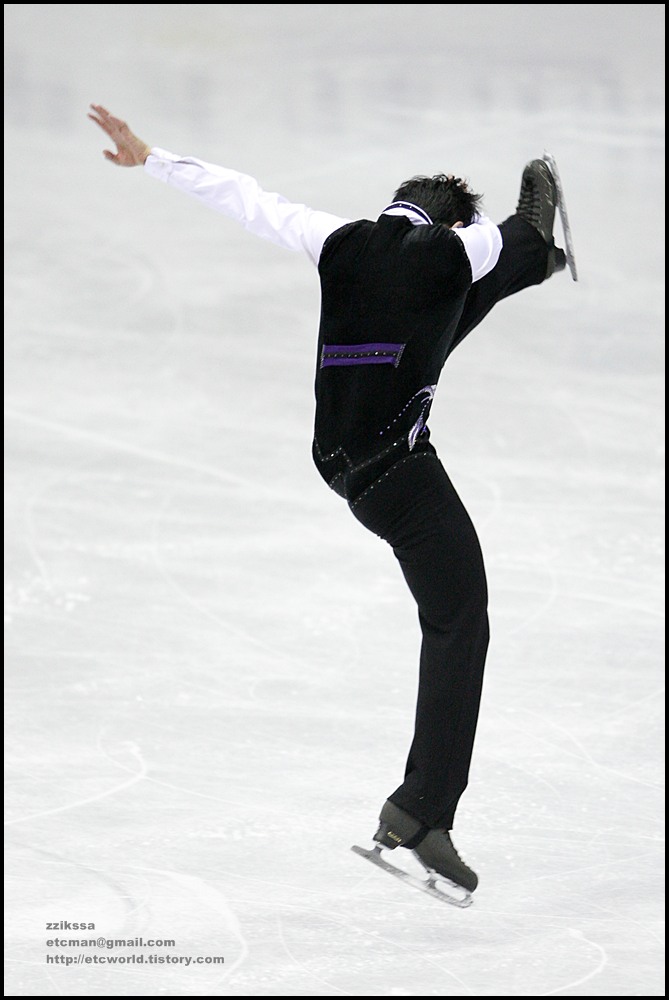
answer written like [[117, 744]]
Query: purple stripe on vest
[[361, 348], [361, 354], [375, 359]]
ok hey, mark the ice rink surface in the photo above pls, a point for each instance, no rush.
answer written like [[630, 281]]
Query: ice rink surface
[[210, 666]]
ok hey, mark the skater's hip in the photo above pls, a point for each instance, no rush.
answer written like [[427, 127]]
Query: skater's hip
[[350, 478]]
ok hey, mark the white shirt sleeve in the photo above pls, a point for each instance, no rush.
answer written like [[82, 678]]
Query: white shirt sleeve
[[241, 198], [483, 245]]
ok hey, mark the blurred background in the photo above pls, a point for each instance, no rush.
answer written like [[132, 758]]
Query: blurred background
[[210, 667]]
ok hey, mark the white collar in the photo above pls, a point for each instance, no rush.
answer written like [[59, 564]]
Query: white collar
[[417, 215]]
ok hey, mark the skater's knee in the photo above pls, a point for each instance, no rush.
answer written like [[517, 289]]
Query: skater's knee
[[449, 616]]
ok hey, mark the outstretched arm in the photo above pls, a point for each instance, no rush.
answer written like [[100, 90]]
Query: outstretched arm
[[130, 151], [239, 196]]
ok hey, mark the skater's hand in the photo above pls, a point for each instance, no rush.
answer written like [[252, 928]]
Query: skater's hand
[[130, 151]]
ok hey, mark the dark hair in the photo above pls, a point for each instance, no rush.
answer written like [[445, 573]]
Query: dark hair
[[445, 198]]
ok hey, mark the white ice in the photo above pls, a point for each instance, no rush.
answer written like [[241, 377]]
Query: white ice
[[211, 667]]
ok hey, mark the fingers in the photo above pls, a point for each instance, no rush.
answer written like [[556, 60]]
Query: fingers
[[107, 122], [101, 115], [131, 151], [97, 121]]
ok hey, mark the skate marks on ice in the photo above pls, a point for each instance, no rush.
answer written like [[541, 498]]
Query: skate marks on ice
[[138, 773], [360, 951], [155, 931], [131, 905], [302, 935]]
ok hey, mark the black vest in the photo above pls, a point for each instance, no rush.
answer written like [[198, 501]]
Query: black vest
[[391, 297]]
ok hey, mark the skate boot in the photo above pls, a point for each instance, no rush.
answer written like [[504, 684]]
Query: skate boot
[[537, 204], [437, 853], [398, 829], [433, 848]]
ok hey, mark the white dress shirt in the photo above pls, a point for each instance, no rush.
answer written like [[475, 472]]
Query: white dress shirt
[[294, 226]]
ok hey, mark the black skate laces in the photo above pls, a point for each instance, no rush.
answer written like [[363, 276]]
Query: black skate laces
[[529, 202]]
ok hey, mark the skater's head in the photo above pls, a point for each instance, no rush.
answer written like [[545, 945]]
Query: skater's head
[[445, 198]]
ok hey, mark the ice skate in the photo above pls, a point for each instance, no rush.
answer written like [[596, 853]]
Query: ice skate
[[537, 204], [434, 851], [564, 218]]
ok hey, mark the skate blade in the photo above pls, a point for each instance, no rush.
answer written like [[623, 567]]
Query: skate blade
[[564, 218], [459, 897]]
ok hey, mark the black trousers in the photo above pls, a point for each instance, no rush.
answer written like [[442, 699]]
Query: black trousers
[[414, 507]]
